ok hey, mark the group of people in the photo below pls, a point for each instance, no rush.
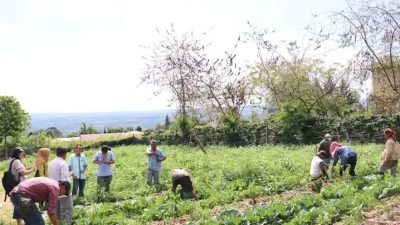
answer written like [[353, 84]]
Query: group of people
[[52, 179], [330, 148]]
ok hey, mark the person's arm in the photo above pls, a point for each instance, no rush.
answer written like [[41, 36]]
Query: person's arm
[[162, 157], [389, 146], [174, 185], [322, 166], [53, 219], [64, 172], [336, 157], [52, 206], [85, 166], [112, 159], [95, 159], [20, 168], [194, 194], [150, 153]]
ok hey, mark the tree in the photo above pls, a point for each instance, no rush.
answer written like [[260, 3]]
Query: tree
[[371, 28], [13, 119], [87, 129], [173, 64], [167, 122], [283, 74], [53, 132], [139, 128]]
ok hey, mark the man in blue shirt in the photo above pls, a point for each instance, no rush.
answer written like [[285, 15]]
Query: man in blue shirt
[[347, 157], [156, 156], [104, 159], [78, 165]]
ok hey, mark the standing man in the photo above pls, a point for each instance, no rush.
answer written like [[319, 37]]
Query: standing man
[[182, 177], [325, 145], [38, 189], [156, 156], [104, 159], [78, 165], [58, 168], [347, 157]]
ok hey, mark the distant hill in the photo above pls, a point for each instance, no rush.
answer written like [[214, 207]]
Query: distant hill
[[70, 122]]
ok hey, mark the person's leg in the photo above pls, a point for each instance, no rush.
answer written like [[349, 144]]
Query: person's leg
[[156, 175], [100, 183], [17, 216], [107, 182], [149, 177], [75, 184], [342, 169], [82, 183], [353, 162], [34, 217], [393, 170]]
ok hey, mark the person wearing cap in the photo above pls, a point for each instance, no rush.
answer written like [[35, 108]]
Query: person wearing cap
[[347, 157], [182, 177], [38, 189], [155, 157], [325, 145], [78, 165], [390, 154], [58, 168], [104, 159]]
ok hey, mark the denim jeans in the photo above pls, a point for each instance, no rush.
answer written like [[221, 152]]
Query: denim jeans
[[78, 184], [33, 217]]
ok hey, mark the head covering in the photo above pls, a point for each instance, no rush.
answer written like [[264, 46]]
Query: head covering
[[392, 133], [334, 146], [328, 136], [67, 186], [42, 156], [322, 154]]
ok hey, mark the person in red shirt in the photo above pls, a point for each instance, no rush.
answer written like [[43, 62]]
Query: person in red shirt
[[39, 189]]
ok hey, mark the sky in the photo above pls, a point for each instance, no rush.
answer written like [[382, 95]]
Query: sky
[[86, 55]]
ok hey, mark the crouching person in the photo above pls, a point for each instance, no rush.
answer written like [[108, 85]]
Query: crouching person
[[318, 170], [347, 157], [182, 177], [40, 189]]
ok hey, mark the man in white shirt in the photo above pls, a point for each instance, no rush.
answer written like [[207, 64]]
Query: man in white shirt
[[318, 167], [58, 168]]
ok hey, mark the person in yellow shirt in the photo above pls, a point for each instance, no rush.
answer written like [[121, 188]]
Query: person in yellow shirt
[[42, 158]]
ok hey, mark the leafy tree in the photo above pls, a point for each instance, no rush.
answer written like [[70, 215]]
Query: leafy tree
[[87, 129], [371, 29], [139, 128], [53, 132], [13, 119], [167, 122]]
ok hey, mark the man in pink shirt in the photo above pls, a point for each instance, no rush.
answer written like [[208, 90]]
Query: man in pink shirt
[[39, 189]]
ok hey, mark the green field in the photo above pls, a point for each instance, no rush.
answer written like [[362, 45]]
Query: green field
[[225, 179]]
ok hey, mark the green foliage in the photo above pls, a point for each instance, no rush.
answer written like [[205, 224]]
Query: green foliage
[[13, 119]]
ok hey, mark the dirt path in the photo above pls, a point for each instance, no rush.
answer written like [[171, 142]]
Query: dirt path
[[6, 208], [244, 204], [387, 214]]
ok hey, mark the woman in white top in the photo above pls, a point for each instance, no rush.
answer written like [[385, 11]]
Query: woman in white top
[[390, 153], [19, 172]]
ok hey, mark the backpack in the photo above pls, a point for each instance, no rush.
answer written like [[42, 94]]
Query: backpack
[[8, 180]]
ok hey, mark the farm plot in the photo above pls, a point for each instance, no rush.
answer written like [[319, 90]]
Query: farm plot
[[227, 181]]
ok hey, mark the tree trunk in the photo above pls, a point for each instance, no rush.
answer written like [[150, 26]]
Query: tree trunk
[[199, 141], [5, 146]]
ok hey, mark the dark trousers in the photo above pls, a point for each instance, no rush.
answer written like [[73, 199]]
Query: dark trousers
[[78, 184], [105, 182], [28, 212], [352, 161]]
